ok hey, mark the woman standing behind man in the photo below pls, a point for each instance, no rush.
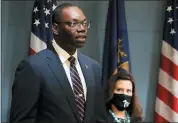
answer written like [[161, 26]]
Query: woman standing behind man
[[121, 100]]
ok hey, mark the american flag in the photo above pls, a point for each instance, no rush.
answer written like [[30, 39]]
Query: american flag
[[166, 108], [41, 33]]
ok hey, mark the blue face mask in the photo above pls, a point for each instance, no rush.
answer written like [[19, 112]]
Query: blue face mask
[[121, 101]]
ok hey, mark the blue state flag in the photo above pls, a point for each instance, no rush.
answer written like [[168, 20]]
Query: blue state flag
[[116, 55]]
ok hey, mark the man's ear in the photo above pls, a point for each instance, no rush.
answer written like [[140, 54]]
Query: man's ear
[[55, 28]]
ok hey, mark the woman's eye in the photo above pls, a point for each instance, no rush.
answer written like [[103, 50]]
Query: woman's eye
[[119, 89]]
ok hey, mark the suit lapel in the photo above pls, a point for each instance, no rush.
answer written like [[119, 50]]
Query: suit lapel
[[57, 68], [89, 79]]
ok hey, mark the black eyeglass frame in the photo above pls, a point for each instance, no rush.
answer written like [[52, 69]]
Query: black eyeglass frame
[[76, 24]]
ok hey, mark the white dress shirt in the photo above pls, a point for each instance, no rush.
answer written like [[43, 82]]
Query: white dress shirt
[[63, 56]]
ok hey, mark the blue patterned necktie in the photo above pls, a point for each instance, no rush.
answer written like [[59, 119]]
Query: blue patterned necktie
[[77, 88]]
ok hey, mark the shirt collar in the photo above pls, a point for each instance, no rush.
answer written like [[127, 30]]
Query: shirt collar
[[63, 55]]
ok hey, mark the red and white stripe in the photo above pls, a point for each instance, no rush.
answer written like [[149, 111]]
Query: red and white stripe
[[36, 44], [166, 108]]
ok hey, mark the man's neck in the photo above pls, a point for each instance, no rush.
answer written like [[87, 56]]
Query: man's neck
[[67, 48], [69, 51], [119, 114]]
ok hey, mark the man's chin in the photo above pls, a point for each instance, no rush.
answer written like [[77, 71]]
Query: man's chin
[[80, 44]]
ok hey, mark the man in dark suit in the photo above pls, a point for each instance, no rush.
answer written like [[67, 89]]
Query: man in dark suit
[[59, 84]]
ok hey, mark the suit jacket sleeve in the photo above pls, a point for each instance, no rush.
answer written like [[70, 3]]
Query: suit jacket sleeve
[[25, 94], [100, 105]]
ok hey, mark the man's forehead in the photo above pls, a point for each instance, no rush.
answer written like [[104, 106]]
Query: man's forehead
[[73, 13]]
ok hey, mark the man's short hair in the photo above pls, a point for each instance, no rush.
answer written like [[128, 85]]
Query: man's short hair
[[57, 13]]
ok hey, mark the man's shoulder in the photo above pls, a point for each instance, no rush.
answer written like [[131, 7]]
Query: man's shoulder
[[92, 61], [36, 59], [36, 63], [39, 56]]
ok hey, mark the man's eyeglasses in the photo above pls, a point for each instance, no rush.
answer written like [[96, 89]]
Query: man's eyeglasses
[[72, 24]]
